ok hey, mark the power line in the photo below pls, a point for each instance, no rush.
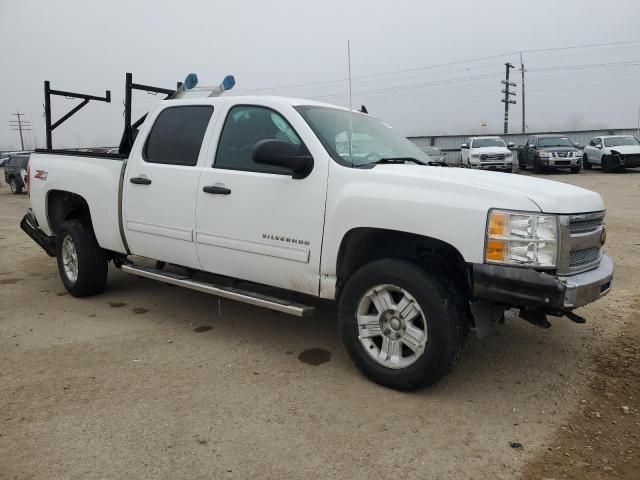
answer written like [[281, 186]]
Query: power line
[[478, 77], [630, 63], [447, 64], [412, 86]]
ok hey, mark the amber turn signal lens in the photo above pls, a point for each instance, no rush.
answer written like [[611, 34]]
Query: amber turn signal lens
[[496, 250], [497, 224]]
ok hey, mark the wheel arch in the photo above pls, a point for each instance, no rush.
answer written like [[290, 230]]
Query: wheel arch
[[62, 205], [362, 245]]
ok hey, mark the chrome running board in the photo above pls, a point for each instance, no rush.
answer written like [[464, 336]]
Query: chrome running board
[[252, 298]]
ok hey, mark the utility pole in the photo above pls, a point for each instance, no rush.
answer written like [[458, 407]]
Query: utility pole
[[524, 123], [20, 125], [507, 95]]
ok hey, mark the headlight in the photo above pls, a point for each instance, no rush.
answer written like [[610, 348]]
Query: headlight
[[521, 238], [475, 155], [544, 154], [508, 155]]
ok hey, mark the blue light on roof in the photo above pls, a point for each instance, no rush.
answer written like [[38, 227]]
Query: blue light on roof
[[228, 82], [191, 81]]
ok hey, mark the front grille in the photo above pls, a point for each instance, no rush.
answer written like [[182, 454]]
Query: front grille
[[581, 242], [579, 258], [582, 226], [492, 156], [561, 154]]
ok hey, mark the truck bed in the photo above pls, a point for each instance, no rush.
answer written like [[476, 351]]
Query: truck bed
[[95, 177]]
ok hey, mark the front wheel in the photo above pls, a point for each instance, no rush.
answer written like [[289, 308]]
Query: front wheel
[[15, 188], [401, 327], [576, 168], [82, 264], [606, 164], [537, 167]]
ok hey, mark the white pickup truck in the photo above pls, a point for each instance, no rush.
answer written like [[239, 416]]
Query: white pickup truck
[[256, 189], [487, 153]]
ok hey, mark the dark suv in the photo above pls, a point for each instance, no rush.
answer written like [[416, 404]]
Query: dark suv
[[12, 170], [550, 152]]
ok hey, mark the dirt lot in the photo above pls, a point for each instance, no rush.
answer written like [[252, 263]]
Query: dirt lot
[[148, 381]]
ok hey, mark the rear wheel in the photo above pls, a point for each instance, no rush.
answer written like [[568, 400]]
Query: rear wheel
[[82, 264], [585, 162], [15, 187], [401, 327]]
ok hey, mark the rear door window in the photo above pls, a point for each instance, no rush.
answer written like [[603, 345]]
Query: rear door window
[[177, 134]]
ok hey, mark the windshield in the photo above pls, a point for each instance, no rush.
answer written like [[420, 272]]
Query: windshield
[[617, 141], [544, 142], [487, 142], [372, 140]]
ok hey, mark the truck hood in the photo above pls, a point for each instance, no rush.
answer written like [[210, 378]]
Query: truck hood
[[490, 150], [548, 195], [625, 149]]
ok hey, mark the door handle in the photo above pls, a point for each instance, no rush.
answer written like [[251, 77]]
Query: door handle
[[216, 190], [140, 180]]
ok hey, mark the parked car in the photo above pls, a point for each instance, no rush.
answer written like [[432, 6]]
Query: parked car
[[486, 153], [612, 152], [550, 152], [415, 256], [437, 156], [12, 172]]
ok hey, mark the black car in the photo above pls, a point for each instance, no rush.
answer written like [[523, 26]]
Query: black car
[[550, 152], [12, 170]]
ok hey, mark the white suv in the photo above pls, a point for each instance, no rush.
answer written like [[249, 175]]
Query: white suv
[[487, 153]]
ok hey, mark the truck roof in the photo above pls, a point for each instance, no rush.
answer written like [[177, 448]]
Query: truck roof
[[251, 98]]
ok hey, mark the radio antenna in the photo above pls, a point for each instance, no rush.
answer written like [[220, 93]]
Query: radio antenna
[[350, 137]]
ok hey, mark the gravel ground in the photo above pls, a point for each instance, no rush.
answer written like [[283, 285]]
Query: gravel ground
[[149, 381]]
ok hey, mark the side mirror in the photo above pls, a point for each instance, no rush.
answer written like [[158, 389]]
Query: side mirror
[[464, 146], [531, 145], [282, 154], [511, 145]]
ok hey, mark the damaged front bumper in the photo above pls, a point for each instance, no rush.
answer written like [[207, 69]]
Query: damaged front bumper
[[529, 289]]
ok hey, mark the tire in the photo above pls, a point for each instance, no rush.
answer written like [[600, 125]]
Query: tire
[[585, 162], [537, 168], [90, 262], [522, 164], [15, 188], [441, 318], [606, 167], [576, 168]]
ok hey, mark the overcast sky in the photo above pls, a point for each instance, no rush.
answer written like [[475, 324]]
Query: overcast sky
[[88, 46]]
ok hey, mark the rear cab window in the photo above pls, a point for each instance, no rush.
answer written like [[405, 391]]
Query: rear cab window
[[177, 134]]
